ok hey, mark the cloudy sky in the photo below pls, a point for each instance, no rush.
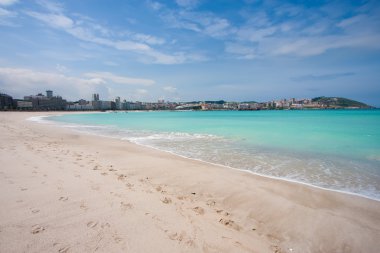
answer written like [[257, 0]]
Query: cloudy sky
[[236, 50]]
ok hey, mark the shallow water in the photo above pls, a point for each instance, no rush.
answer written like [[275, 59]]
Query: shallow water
[[333, 149]]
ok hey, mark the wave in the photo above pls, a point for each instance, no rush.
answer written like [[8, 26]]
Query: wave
[[319, 171]]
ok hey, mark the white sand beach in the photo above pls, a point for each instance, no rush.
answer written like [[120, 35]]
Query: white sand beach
[[62, 191]]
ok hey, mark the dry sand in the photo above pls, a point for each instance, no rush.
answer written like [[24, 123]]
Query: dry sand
[[61, 191]]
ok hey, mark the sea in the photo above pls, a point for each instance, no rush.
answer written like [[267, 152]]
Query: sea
[[336, 150]]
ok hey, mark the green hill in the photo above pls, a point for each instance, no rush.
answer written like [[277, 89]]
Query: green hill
[[339, 102]]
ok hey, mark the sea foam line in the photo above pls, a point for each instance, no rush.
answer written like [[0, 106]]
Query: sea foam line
[[44, 119], [257, 174]]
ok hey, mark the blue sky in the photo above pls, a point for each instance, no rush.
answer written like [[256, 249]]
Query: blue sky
[[185, 50]]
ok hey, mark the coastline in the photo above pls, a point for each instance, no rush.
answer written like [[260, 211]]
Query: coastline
[[45, 119], [231, 210]]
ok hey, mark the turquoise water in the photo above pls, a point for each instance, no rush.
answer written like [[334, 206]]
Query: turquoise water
[[334, 149]]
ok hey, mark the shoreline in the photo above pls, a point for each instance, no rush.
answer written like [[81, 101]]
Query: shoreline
[[44, 119], [255, 173], [67, 191]]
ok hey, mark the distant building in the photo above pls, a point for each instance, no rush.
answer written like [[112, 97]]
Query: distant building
[[49, 94], [96, 104], [79, 107], [189, 107], [95, 97], [24, 105], [118, 103], [41, 102], [107, 105], [6, 102], [82, 102], [133, 106]]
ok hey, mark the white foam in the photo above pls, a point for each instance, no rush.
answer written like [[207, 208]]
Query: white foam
[[209, 149], [39, 119], [168, 136]]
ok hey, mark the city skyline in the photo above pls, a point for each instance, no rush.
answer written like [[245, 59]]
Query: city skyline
[[188, 50], [50, 102]]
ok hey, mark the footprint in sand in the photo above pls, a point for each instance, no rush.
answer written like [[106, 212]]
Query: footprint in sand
[[160, 189], [95, 187], [63, 198], [83, 206], [230, 223], [221, 211], [276, 249], [176, 236], [105, 225], [104, 173], [129, 185], [125, 206], [181, 237], [199, 210], [64, 250], [35, 210], [211, 202], [24, 189], [121, 177], [166, 200], [117, 239], [37, 229], [92, 224]]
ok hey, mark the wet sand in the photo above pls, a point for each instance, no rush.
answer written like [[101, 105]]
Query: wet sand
[[61, 191]]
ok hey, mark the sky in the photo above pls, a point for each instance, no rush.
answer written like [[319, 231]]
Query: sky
[[185, 50]]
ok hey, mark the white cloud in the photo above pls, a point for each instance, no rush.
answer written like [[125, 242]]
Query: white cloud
[[140, 95], [201, 22], [111, 63], [170, 89], [6, 16], [255, 34], [126, 45], [8, 2], [177, 21], [81, 31], [241, 51], [217, 27], [6, 13], [154, 5], [149, 39], [60, 68], [288, 30], [19, 82], [351, 21], [310, 46], [54, 20], [141, 91], [187, 3], [54, 7], [120, 79], [306, 33]]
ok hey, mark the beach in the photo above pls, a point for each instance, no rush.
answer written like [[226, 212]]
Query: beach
[[63, 191]]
